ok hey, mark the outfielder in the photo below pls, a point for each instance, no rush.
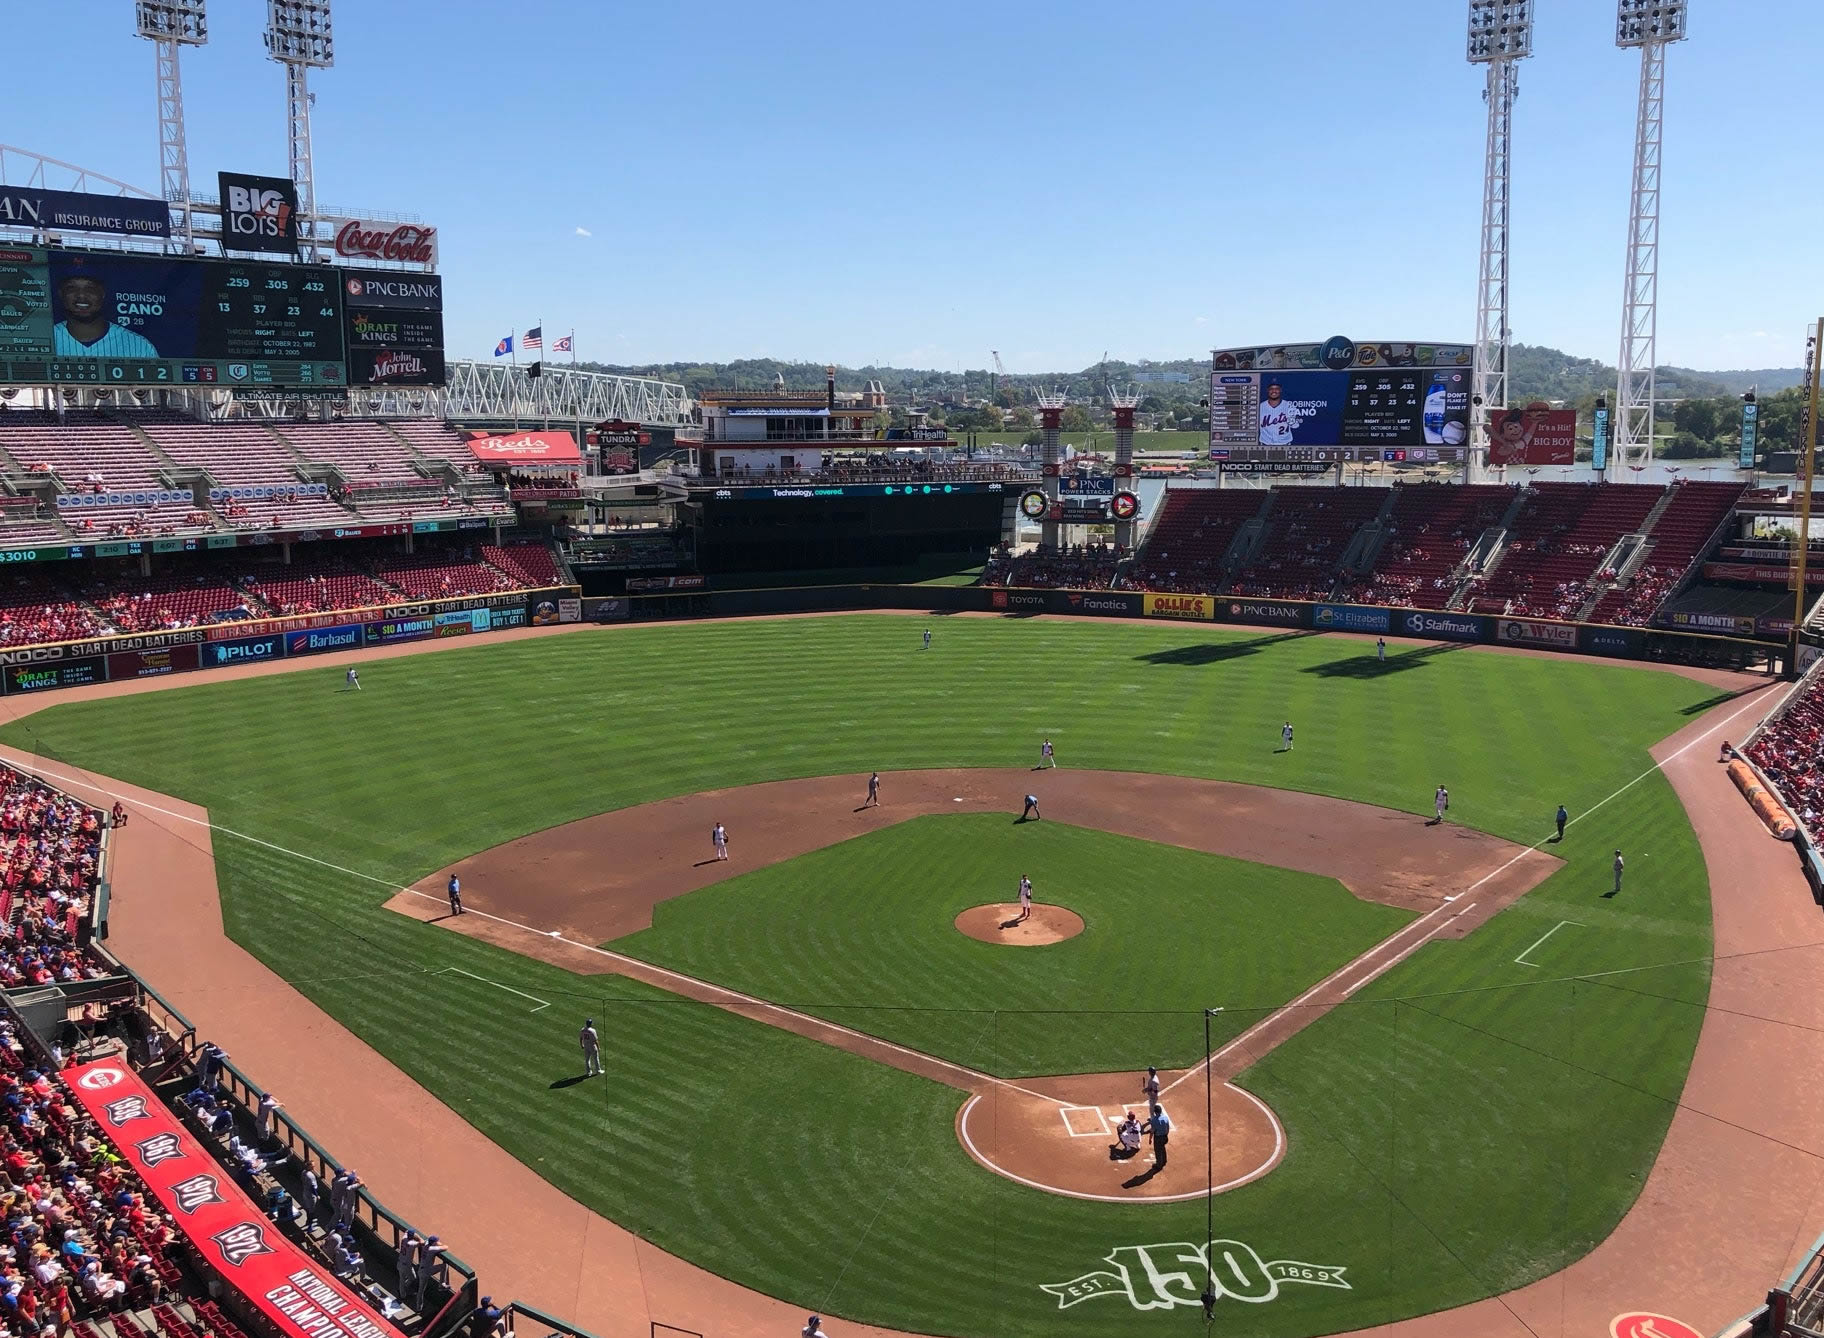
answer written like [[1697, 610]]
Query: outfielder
[[592, 1049], [1285, 737]]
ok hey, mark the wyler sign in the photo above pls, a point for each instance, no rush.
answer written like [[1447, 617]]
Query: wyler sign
[[259, 213], [1180, 606]]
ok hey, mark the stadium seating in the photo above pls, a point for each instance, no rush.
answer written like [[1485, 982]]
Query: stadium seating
[[1562, 532], [1308, 531], [36, 609], [1431, 529], [366, 453], [1089, 567], [316, 587], [90, 453], [241, 455], [442, 577], [1790, 753], [433, 440], [530, 564], [50, 850], [1185, 548], [1678, 536], [157, 603]]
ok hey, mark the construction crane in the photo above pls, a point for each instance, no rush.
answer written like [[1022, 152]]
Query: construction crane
[[994, 382]]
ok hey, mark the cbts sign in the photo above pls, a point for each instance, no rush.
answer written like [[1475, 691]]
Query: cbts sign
[[259, 213]]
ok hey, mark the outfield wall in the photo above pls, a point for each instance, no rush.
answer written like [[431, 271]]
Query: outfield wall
[[119, 659], [1290, 615]]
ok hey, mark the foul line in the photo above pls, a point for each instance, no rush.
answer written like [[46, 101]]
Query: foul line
[[542, 1003], [1521, 959], [1406, 952], [1382, 946]]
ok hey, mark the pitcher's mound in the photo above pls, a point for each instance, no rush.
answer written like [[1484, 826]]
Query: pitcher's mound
[[1001, 923]]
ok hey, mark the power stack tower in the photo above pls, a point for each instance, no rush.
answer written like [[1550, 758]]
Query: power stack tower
[[299, 37], [1124, 402], [1051, 419], [1500, 33], [171, 25], [1649, 25]]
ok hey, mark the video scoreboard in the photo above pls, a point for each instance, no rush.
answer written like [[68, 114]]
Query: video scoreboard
[[1297, 405], [118, 319]]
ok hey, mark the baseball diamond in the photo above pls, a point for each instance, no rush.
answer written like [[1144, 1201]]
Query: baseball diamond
[[1402, 1118]]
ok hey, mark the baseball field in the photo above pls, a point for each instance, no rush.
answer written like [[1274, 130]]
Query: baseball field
[[794, 1040]]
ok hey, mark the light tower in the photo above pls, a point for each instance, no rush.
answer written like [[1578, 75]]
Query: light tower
[[1500, 33], [1051, 419], [1649, 25], [299, 37], [1124, 401], [171, 25]]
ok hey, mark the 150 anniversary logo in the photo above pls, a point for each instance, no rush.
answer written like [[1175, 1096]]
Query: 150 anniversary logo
[[1158, 1277]]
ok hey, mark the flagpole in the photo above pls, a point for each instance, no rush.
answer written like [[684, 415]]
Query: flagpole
[[581, 443], [544, 400]]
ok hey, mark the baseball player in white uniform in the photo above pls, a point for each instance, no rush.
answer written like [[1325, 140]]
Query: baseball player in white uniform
[[1045, 755], [1025, 897], [1285, 737], [592, 1049], [718, 837], [1277, 418]]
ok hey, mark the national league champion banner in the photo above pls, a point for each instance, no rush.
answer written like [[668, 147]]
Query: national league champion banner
[[297, 1296]]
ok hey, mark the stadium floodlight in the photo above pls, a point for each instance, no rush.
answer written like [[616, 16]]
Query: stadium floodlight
[[1500, 30], [1640, 22], [299, 36], [173, 21], [1648, 25], [1500, 33], [171, 25], [298, 32]]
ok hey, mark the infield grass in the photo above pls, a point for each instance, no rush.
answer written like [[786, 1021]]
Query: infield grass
[[1464, 1125]]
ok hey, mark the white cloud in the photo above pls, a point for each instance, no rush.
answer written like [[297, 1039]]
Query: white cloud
[[584, 232], [1201, 320]]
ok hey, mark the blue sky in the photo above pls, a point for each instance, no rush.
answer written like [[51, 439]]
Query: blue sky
[[919, 184]]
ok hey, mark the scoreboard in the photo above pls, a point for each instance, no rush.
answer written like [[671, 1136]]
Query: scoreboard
[[119, 319], [1340, 401]]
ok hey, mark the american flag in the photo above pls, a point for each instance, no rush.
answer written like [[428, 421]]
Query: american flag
[[535, 338], [565, 345]]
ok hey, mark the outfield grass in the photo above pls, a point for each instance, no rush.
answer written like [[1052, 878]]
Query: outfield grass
[[862, 931], [1464, 1125]]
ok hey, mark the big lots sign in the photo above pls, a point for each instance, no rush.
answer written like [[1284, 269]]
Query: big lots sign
[[407, 243]]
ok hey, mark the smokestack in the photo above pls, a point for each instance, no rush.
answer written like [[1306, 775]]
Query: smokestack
[[829, 400]]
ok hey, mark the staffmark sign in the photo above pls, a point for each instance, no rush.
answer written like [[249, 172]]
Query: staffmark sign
[[1160, 1277], [1449, 627], [259, 213]]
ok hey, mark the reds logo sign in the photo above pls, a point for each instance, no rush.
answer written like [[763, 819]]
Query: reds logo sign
[[1158, 1277], [408, 243]]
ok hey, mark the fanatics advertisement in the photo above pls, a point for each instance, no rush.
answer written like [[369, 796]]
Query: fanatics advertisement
[[292, 1293]]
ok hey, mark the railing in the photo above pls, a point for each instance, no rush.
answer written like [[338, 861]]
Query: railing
[[935, 474], [556, 1328]]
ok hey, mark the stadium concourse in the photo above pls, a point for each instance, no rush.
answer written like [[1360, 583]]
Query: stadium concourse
[[1619, 553], [1744, 1118]]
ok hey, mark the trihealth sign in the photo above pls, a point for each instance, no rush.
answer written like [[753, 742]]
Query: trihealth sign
[[1180, 606], [1159, 1277]]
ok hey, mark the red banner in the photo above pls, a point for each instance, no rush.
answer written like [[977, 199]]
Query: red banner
[[527, 448], [1535, 435], [284, 1284]]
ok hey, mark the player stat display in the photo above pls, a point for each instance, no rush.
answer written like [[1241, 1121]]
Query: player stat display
[[1341, 401], [110, 319]]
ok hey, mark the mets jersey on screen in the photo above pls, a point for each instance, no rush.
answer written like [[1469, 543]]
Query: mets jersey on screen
[[1276, 423], [114, 343]]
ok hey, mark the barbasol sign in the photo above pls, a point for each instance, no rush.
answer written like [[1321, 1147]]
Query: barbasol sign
[[1446, 626], [1351, 618], [316, 639]]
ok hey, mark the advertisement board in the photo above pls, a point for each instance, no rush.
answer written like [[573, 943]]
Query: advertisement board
[[153, 663], [525, 448], [1274, 612], [259, 213], [316, 640], [400, 243], [396, 367], [1626, 642], [1201, 607], [462, 622], [383, 289], [78, 211], [1751, 421], [293, 1295], [112, 318], [1599, 438], [1087, 485], [1443, 626], [613, 610], [1350, 618], [1535, 435], [1725, 624], [394, 328], [61, 673], [399, 629], [1550, 636], [243, 650]]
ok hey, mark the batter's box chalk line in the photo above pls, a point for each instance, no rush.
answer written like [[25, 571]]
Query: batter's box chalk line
[[1078, 1121], [458, 971]]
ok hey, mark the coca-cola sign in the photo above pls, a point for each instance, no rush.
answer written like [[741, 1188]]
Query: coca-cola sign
[[401, 243]]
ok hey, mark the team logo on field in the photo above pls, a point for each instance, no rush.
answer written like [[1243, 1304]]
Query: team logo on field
[[1158, 1277]]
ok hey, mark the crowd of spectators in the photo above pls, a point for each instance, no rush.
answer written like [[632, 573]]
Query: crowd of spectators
[[1790, 753], [875, 468], [50, 863], [1079, 567]]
